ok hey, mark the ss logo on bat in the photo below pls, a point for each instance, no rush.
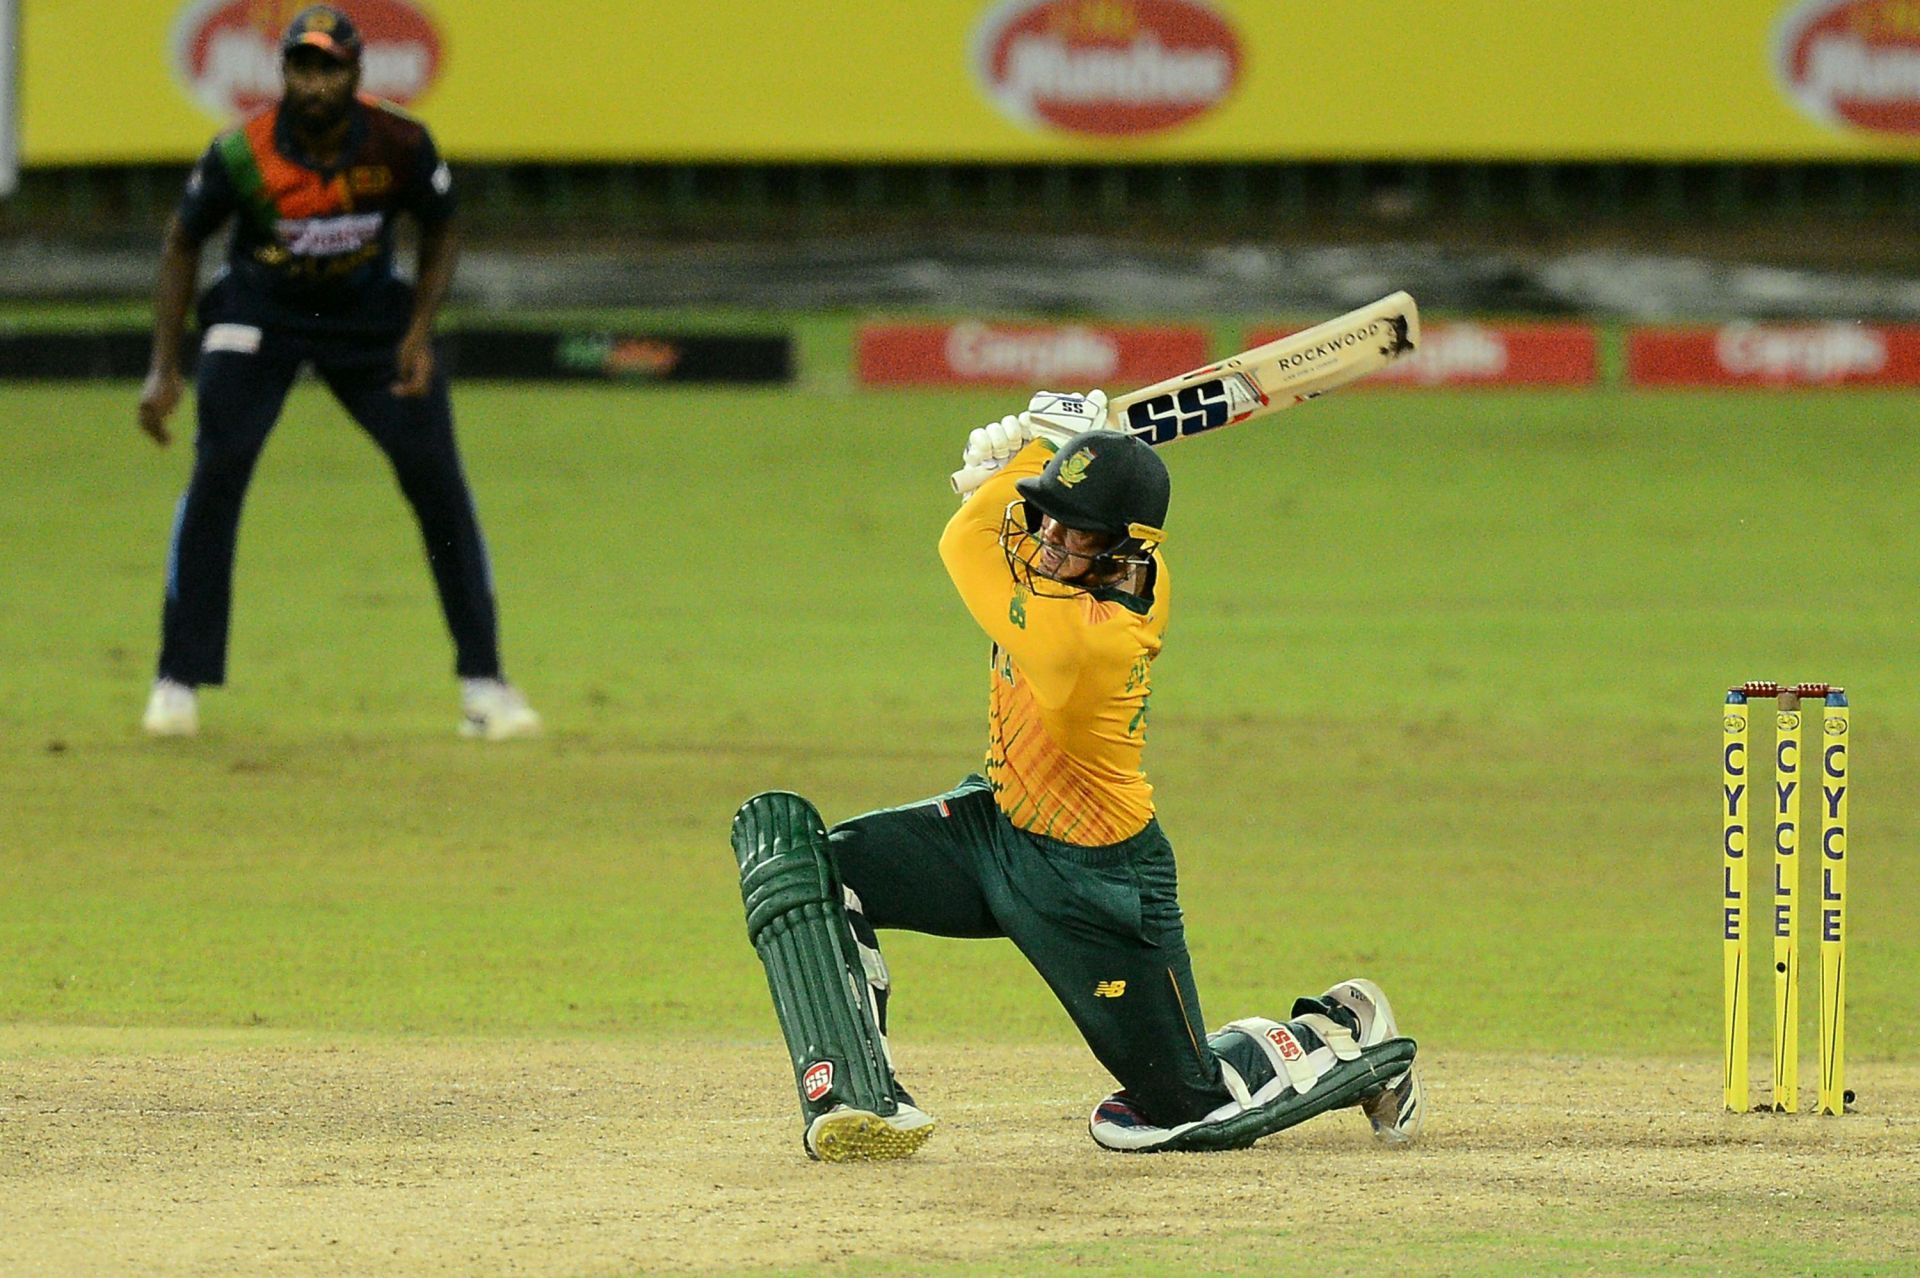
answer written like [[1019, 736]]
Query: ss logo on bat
[[1187, 411]]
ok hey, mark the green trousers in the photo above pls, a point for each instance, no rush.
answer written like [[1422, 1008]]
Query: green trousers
[[1101, 925]]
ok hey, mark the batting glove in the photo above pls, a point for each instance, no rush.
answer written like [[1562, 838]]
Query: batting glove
[[993, 444], [1058, 416]]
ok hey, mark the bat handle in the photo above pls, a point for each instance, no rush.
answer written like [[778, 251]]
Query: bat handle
[[968, 478]]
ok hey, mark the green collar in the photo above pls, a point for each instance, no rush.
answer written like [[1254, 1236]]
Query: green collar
[[1133, 603]]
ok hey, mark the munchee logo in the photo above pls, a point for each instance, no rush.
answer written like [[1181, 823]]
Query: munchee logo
[[1106, 68], [227, 52], [1854, 64]]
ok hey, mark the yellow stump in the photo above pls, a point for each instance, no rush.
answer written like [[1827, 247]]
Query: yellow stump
[[1833, 905], [1733, 866], [1787, 749]]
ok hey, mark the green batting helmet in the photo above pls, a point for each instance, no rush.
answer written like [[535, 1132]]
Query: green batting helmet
[[1103, 481]]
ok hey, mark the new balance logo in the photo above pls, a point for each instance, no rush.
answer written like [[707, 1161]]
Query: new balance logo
[[1109, 989]]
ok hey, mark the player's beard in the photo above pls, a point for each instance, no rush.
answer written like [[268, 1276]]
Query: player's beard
[[318, 115]]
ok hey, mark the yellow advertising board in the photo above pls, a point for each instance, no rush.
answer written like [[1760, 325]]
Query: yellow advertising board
[[1015, 80]]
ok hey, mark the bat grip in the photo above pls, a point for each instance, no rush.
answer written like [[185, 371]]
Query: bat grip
[[968, 478]]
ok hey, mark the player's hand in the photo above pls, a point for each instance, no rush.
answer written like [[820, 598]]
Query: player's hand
[[1059, 416], [159, 396], [994, 444], [414, 363]]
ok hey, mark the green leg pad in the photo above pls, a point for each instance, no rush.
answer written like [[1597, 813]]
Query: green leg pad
[[1346, 1083], [797, 922]]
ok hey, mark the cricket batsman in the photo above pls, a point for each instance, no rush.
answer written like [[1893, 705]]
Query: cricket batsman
[[1053, 845]]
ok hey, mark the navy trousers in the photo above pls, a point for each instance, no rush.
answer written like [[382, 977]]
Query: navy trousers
[[240, 398]]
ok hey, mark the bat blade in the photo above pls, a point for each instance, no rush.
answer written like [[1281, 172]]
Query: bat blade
[[1266, 379]]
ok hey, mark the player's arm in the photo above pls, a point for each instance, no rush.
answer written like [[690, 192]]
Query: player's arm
[[432, 203], [207, 203], [439, 252], [1044, 636], [179, 268]]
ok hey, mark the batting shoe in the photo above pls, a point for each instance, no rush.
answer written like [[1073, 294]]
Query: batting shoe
[[1396, 1111], [847, 1135], [1117, 1124], [173, 710], [494, 710]]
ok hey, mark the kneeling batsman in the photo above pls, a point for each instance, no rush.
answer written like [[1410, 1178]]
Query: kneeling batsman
[[1052, 843]]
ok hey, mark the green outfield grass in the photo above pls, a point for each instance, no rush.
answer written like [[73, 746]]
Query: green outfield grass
[[1439, 705]]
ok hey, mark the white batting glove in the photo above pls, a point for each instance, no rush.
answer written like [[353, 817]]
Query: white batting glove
[[992, 445], [1059, 416]]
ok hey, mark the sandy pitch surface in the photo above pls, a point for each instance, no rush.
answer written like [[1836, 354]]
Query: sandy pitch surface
[[203, 1154]]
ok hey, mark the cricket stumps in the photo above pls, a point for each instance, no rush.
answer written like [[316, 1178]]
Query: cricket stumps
[[1789, 750]]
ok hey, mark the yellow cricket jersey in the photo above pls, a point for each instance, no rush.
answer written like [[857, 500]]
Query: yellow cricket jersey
[[1067, 710]]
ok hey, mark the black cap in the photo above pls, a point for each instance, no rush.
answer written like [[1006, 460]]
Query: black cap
[[1103, 481], [325, 28]]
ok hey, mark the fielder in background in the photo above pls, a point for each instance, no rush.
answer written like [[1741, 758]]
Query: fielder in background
[[1055, 846], [313, 186]]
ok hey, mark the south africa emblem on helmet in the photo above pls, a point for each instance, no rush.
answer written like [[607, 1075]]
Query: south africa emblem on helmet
[[1074, 468]]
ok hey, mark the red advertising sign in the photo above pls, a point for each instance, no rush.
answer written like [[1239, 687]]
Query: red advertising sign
[[1837, 354], [1466, 354], [1106, 68], [1027, 356], [227, 52], [1854, 63]]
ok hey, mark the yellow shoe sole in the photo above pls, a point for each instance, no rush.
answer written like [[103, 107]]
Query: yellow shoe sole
[[865, 1138]]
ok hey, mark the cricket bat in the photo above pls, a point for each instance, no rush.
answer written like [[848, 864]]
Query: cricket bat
[[1263, 380]]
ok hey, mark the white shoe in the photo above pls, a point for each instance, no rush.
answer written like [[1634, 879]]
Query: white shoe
[[847, 1135], [1396, 1110], [173, 710], [494, 710]]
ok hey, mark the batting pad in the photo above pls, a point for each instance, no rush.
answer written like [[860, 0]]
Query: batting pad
[[1347, 1083], [797, 922], [1311, 1065]]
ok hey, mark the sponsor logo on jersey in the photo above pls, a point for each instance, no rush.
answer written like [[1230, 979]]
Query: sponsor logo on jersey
[[327, 236], [818, 1080], [1106, 68], [1288, 1046], [1853, 64], [1110, 989], [226, 53], [369, 179]]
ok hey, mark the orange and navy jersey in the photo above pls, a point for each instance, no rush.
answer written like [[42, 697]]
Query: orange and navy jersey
[[1070, 680], [314, 244]]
